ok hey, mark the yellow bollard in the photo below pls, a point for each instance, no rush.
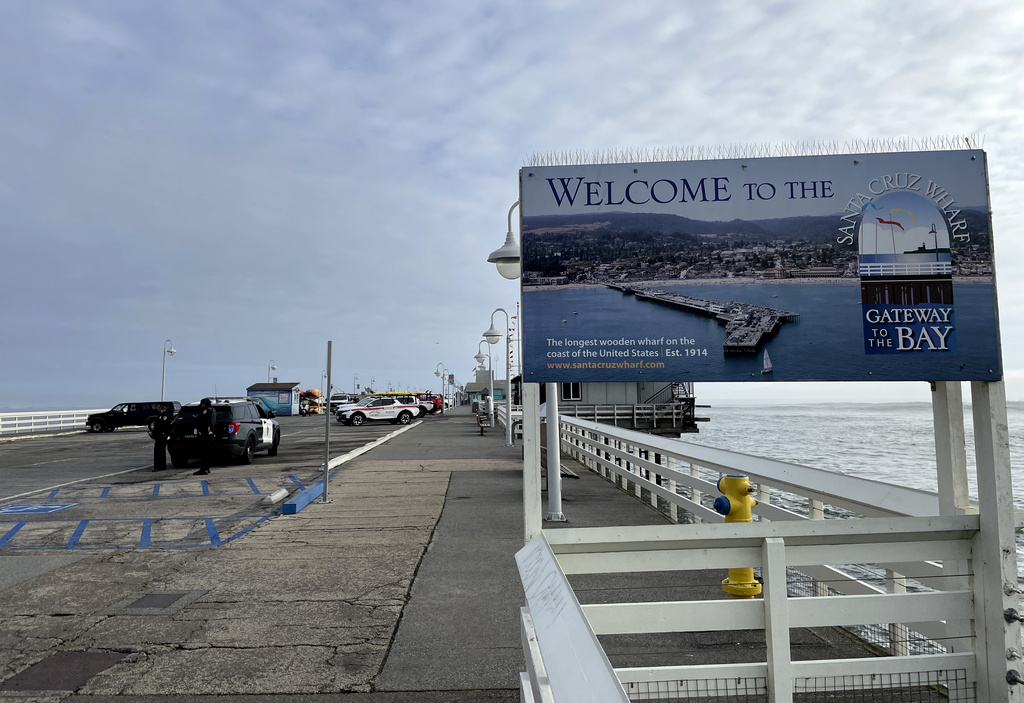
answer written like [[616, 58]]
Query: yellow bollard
[[737, 506]]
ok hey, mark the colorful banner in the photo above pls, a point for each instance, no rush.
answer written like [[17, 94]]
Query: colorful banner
[[816, 268]]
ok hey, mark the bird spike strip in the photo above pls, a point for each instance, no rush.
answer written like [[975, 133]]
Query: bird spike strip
[[878, 145]]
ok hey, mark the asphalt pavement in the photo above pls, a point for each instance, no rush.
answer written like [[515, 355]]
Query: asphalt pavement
[[402, 588]]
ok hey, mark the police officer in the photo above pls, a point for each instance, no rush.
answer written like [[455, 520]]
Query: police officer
[[160, 431], [204, 429]]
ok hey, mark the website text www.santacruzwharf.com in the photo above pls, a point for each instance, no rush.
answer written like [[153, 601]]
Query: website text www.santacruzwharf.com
[[607, 365]]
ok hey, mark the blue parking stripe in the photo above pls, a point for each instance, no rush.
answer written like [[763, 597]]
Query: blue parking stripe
[[156, 489], [73, 542], [206, 487], [53, 493], [11, 532], [252, 485], [146, 537], [295, 480], [147, 532], [211, 530], [105, 492]]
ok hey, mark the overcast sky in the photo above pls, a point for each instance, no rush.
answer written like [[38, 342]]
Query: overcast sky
[[251, 179]]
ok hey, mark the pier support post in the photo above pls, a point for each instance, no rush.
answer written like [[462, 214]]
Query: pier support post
[[532, 502], [954, 497], [950, 446], [554, 455], [995, 548]]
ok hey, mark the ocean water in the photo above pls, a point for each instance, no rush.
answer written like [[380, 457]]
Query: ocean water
[[893, 443]]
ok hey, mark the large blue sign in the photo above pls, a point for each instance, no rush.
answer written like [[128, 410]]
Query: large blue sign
[[820, 268]]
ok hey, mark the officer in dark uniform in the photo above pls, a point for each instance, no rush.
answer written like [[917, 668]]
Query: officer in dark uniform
[[160, 432], [204, 429]]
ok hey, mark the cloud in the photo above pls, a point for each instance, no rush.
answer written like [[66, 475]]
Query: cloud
[[252, 180]]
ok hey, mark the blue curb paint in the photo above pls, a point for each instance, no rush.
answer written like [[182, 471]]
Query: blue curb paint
[[304, 497]]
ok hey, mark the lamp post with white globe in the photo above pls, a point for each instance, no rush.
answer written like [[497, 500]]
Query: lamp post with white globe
[[492, 336], [168, 351], [442, 372]]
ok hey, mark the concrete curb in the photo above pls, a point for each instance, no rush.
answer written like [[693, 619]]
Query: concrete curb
[[309, 494]]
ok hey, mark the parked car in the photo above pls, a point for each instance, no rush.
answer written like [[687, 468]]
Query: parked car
[[433, 400], [338, 399], [383, 407], [128, 415], [241, 428]]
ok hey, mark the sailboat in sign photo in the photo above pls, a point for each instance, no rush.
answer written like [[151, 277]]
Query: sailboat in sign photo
[[766, 366]]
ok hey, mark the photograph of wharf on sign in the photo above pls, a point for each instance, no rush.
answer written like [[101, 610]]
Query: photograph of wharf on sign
[[747, 326]]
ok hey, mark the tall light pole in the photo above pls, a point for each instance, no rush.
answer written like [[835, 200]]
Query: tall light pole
[[443, 374], [492, 336], [490, 372], [168, 351], [270, 367]]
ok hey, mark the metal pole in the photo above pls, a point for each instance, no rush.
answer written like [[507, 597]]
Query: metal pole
[[554, 456], [163, 366], [532, 504], [490, 370], [327, 431], [508, 396]]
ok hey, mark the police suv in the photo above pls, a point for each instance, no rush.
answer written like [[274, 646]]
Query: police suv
[[241, 428]]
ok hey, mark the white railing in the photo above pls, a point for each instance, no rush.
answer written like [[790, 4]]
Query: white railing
[[904, 577], [517, 419], [679, 477], [772, 548], [653, 415], [45, 421]]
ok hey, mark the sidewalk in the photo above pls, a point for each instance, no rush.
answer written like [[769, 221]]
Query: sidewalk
[[404, 588]]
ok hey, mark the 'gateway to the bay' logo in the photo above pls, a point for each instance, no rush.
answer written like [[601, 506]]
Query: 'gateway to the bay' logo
[[906, 276]]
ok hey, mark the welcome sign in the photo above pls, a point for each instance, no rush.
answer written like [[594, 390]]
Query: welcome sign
[[814, 268]]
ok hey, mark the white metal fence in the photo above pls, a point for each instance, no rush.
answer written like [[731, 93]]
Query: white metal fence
[[44, 421], [906, 577]]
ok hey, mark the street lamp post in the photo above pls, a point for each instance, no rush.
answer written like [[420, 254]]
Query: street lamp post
[[271, 366], [508, 261], [490, 373], [507, 258], [441, 372], [168, 351], [492, 336]]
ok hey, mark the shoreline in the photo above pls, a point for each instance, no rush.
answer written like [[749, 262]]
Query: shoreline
[[959, 280]]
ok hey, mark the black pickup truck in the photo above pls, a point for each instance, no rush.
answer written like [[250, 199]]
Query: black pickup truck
[[128, 415]]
